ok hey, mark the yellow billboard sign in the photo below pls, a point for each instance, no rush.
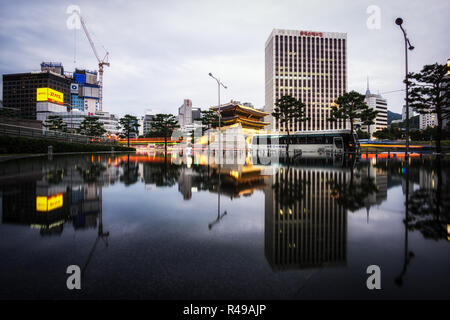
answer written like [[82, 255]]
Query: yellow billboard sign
[[47, 94], [45, 204]]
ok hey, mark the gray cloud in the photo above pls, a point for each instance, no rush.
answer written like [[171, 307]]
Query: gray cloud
[[161, 51]]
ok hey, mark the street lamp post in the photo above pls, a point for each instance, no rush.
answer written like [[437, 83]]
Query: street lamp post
[[408, 45], [70, 114], [219, 84]]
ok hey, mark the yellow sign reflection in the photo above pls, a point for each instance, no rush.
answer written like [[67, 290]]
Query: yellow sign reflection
[[46, 204]]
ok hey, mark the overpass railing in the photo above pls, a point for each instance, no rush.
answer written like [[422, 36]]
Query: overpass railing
[[28, 132]]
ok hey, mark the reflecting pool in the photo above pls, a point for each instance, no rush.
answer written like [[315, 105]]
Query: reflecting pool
[[151, 226]]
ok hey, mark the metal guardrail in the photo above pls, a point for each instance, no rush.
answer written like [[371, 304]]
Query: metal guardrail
[[28, 132]]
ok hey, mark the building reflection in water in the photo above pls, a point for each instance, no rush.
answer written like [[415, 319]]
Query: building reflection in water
[[46, 195], [426, 183], [305, 226], [306, 201]]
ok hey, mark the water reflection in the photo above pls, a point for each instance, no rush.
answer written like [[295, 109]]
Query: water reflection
[[317, 186], [305, 224], [429, 205], [307, 212], [425, 183]]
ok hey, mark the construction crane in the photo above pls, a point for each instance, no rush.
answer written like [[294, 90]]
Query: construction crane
[[101, 62]]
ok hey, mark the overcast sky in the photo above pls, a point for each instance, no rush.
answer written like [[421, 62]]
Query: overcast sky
[[162, 51]]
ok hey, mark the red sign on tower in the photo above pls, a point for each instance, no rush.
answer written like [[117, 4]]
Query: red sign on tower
[[310, 33]]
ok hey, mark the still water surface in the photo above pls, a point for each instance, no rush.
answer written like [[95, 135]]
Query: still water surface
[[155, 227]]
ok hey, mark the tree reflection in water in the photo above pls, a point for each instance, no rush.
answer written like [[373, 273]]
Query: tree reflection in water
[[130, 172], [92, 173], [289, 191], [352, 193], [429, 206]]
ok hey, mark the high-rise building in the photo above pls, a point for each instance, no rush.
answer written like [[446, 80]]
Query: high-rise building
[[427, 120], [185, 113], [85, 91], [378, 103], [55, 67], [196, 114], [147, 123], [20, 90], [411, 113], [310, 66]]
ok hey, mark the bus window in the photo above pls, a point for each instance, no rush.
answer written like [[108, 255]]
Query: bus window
[[274, 140], [301, 140], [348, 141], [338, 142], [314, 140]]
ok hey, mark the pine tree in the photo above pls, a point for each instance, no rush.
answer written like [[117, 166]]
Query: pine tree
[[287, 111]]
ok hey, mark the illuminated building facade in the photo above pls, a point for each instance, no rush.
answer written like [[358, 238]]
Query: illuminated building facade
[[309, 66]]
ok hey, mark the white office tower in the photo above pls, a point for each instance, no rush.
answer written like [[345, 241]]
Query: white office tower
[[378, 103], [310, 66]]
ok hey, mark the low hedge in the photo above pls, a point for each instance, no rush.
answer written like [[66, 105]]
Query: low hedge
[[12, 145]]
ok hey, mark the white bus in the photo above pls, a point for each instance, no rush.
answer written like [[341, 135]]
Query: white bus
[[338, 141]]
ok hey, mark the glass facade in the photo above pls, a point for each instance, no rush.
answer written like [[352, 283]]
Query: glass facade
[[77, 102]]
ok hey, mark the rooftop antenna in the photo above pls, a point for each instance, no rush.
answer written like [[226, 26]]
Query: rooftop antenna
[[368, 90]]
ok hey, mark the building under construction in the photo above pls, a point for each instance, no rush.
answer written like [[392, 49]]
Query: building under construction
[[85, 91]]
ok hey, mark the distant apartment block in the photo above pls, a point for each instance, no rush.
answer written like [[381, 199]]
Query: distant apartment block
[[378, 103], [427, 120], [196, 114], [185, 113], [146, 123], [74, 118], [411, 113]]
